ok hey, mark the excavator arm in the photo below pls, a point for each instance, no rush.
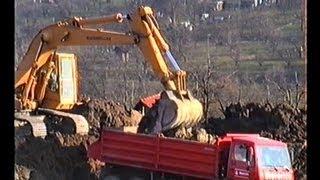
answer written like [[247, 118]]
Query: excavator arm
[[145, 34]]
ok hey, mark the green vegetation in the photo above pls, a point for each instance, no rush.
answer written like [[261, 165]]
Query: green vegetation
[[246, 47]]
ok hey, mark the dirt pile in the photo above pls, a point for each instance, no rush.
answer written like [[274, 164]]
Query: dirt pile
[[102, 113], [281, 122], [63, 156], [55, 157], [195, 134]]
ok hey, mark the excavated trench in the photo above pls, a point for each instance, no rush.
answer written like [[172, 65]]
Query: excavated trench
[[60, 156]]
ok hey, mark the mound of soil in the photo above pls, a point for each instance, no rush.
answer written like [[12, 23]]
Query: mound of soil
[[55, 157], [63, 156], [102, 113], [195, 134], [281, 122]]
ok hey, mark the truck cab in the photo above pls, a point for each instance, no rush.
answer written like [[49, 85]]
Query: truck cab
[[249, 156]]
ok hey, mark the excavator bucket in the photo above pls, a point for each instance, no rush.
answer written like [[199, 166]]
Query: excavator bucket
[[170, 111]]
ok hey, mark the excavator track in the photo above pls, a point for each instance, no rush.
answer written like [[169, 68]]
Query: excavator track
[[49, 121], [80, 123], [38, 126]]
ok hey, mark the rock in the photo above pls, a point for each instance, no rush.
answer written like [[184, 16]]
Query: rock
[[21, 172]]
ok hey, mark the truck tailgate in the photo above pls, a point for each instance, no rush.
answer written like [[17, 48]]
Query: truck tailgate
[[156, 153]]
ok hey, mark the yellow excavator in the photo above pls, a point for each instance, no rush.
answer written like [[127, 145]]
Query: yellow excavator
[[46, 80]]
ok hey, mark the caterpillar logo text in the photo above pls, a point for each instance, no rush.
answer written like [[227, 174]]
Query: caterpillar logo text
[[98, 38]]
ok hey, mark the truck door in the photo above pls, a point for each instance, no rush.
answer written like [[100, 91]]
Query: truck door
[[241, 161]]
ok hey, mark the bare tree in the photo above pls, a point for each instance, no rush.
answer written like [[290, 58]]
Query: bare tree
[[292, 96], [208, 86]]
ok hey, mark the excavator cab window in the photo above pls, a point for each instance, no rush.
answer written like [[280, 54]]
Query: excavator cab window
[[67, 78]]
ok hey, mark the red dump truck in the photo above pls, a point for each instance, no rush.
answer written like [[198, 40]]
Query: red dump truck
[[234, 156]]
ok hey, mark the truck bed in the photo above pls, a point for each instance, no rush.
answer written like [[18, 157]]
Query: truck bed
[[188, 158]]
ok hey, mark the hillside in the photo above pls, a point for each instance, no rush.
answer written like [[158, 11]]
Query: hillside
[[258, 47]]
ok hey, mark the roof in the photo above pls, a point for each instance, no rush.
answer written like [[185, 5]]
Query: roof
[[150, 100], [256, 139]]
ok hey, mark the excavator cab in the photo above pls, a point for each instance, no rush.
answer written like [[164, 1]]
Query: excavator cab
[[56, 90], [62, 90]]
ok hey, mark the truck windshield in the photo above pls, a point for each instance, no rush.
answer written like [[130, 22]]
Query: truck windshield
[[274, 157]]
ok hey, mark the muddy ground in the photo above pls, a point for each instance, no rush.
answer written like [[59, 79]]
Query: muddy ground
[[60, 156]]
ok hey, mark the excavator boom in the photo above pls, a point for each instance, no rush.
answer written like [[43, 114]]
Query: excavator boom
[[39, 63]]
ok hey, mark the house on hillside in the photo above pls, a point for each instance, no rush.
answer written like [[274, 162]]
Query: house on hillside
[[205, 16], [257, 2], [264, 2], [220, 6], [44, 1], [238, 4], [187, 24], [246, 4]]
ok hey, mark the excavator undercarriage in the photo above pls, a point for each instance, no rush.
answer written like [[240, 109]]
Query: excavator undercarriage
[[43, 121]]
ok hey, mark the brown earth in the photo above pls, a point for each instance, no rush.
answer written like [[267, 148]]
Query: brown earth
[[281, 122], [60, 156], [102, 113], [63, 156]]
